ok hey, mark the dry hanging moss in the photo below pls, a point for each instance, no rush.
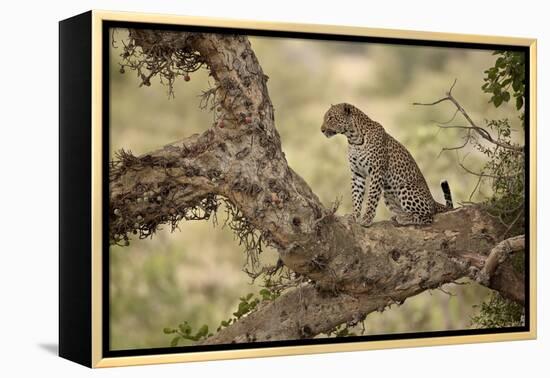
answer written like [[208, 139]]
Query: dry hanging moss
[[149, 55], [245, 232], [143, 210]]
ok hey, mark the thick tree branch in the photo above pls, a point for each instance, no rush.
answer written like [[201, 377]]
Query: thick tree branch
[[351, 270], [306, 311], [498, 255]]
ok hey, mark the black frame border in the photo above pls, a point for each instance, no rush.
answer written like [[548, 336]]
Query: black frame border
[[75, 184], [106, 25]]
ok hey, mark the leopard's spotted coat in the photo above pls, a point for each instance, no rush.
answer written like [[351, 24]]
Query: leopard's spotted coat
[[379, 163]]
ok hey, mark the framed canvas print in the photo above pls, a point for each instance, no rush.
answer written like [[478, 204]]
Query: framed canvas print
[[235, 189]]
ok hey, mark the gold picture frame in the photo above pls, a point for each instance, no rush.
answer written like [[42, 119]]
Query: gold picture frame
[[82, 268]]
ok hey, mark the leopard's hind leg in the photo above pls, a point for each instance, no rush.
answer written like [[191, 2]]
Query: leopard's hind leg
[[392, 202], [412, 208]]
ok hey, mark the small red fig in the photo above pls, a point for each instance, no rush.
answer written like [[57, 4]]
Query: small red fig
[[186, 77], [220, 124], [248, 120]]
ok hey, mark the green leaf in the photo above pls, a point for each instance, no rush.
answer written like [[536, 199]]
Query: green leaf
[[506, 96], [191, 337], [185, 328], [497, 100], [168, 330], [519, 102], [175, 341], [516, 84], [203, 331]]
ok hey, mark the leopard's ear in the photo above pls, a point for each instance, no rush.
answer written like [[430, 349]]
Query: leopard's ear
[[347, 109]]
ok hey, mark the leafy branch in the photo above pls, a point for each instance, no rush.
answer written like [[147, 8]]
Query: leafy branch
[[507, 75], [185, 332], [247, 304]]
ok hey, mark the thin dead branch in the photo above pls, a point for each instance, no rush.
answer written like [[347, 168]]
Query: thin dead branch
[[473, 126]]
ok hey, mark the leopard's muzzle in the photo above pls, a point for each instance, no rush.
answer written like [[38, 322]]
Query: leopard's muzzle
[[328, 132]]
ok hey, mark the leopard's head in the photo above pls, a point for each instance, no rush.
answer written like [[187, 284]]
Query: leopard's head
[[337, 119]]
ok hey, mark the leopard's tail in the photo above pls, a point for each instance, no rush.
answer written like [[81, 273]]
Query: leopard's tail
[[440, 208]]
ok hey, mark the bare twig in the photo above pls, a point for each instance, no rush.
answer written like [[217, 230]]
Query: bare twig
[[479, 130], [481, 174], [513, 223]]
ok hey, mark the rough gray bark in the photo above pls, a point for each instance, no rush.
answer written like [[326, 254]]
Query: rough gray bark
[[306, 311], [352, 270]]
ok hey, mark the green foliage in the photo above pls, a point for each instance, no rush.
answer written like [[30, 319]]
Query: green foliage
[[506, 170], [247, 304], [505, 167], [343, 330], [506, 79], [185, 332], [498, 312]]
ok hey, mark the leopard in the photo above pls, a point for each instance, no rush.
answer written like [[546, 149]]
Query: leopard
[[382, 165]]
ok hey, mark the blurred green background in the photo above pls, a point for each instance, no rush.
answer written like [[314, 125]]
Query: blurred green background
[[195, 274]]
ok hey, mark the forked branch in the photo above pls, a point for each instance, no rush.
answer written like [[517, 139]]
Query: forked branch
[[483, 133]]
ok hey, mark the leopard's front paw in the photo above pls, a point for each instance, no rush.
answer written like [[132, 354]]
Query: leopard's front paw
[[350, 218], [365, 222]]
